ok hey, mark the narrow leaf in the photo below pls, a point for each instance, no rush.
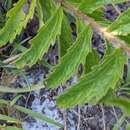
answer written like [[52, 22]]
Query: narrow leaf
[[5, 89], [128, 73], [42, 41], [70, 61], [65, 37], [40, 14], [31, 113], [38, 116], [9, 119], [95, 85], [10, 128], [48, 8]]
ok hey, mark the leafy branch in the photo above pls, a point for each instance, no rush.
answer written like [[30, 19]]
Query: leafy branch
[[116, 42]]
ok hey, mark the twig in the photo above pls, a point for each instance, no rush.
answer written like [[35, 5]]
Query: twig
[[65, 119], [117, 43], [64, 112], [79, 118], [12, 58], [116, 9], [103, 118], [114, 112]]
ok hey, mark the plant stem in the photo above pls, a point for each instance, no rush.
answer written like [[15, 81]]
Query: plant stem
[[117, 43]]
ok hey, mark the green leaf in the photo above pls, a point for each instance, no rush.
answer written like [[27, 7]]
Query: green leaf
[[70, 61], [128, 127], [122, 30], [13, 102], [31, 113], [17, 20], [94, 86], [119, 123], [40, 14], [125, 38], [42, 41], [128, 73], [98, 16], [79, 26], [91, 5], [10, 128], [121, 23], [75, 2], [48, 8], [9, 119], [109, 48], [65, 37], [5, 89], [91, 60], [38, 116], [123, 103]]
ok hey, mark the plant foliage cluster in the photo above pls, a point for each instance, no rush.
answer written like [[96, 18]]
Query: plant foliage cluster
[[102, 77]]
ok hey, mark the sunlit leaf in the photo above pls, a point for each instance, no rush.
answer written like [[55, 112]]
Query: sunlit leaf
[[121, 25], [18, 18], [70, 61], [42, 41], [94, 86], [48, 8], [91, 60]]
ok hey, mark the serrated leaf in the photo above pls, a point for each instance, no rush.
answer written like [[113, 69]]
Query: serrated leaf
[[121, 23], [70, 61], [17, 20], [42, 41], [109, 48], [79, 26], [95, 85], [91, 60], [48, 8], [40, 14], [65, 37], [98, 16], [91, 5]]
